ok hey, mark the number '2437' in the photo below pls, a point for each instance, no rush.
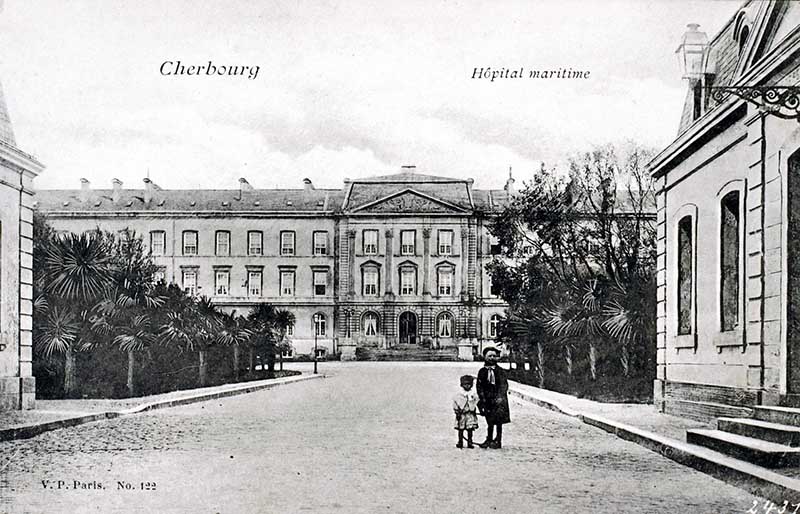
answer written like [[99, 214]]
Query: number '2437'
[[771, 508]]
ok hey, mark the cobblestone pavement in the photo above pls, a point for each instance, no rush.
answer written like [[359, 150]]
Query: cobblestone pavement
[[373, 437]]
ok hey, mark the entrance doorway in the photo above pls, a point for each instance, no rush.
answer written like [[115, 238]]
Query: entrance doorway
[[793, 271], [408, 328]]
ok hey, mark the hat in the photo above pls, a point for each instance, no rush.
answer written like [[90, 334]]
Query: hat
[[490, 349], [467, 379]]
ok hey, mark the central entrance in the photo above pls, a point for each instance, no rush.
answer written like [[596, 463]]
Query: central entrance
[[408, 328]]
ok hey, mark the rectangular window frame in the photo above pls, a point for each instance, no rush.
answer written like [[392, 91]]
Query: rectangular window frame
[[369, 248], [223, 285], [282, 283], [731, 335], [442, 288], [319, 279], [369, 288], [412, 272], [287, 250], [255, 242], [444, 247], [185, 274], [188, 249], [319, 242], [251, 275], [153, 248], [222, 249], [408, 249]]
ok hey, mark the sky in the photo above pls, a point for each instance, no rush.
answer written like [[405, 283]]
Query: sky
[[345, 89]]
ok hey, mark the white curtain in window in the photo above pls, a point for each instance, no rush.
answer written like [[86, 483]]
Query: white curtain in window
[[370, 325], [445, 326]]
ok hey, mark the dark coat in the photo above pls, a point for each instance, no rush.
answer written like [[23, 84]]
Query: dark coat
[[493, 398]]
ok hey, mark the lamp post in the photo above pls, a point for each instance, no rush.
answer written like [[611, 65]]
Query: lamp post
[[698, 67], [316, 331]]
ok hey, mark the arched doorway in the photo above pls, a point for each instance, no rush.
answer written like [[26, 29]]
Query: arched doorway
[[408, 328]]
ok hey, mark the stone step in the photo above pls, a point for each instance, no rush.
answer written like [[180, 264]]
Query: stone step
[[756, 451], [764, 430], [782, 415]]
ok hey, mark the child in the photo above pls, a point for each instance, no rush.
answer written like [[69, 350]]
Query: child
[[465, 405]]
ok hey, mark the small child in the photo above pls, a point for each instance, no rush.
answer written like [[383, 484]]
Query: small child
[[465, 405]]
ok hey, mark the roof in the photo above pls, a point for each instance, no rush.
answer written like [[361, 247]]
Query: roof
[[447, 194], [6, 132]]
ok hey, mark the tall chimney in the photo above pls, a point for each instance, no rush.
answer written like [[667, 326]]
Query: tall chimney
[[86, 190], [509, 183], [307, 185], [148, 190], [116, 193], [244, 185]]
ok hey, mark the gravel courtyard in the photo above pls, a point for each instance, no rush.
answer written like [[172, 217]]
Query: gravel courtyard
[[372, 437]]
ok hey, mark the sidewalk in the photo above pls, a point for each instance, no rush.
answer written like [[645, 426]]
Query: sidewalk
[[55, 414], [666, 435]]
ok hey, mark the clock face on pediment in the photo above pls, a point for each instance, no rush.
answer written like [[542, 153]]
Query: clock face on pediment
[[409, 202]]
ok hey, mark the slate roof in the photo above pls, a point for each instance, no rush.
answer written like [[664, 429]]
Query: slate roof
[[361, 192]]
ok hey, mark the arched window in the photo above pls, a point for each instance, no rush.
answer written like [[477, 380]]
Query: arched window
[[370, 324], [685, 274], [444, 325], [493, 324], [319, 324], [729, 261]]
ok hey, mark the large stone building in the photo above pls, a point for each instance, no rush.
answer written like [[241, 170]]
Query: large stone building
[[17, 171], [394, 261], [728, 193]]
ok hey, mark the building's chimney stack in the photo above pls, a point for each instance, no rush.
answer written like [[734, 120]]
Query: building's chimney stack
[[307, 185], [244, 185], [148, 190], [116, 193], [86, 190], [509, 183]]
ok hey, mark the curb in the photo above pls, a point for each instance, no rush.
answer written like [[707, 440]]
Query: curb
[[754, 479], [28, 431]]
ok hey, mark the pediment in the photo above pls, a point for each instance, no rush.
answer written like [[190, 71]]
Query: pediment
[[410, 202]]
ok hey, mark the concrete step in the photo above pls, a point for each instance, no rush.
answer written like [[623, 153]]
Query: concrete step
[[756, 451], [764, 430], [411, 354], [782, 415]]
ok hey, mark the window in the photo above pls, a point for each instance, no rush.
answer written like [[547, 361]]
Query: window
[[319, 324], [495, 249], [445, 275], [290, 330], [255, 242], [158, 243], [320, 353], [370, 242], [407, 238], [494, 321], [369, 324], [685, 275], [287, 283], [222, 281], [320, 243], [445, 242], [222, 243], [287, 353], [190, 282], [320, 282], [253, 283], [407, 278], [370, 282], [729, 262], [444, 325], [494, 290], [287, 243], [189, 242], [160, 275]]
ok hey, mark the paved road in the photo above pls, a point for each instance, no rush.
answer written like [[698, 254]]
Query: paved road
[[373, 437]]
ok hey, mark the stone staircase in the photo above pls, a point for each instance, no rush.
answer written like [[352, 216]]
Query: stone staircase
[[409, 352], [769, 438]]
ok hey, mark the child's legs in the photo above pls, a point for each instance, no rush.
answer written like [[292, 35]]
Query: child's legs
[[499, 433], [469, 436], [460, 436]]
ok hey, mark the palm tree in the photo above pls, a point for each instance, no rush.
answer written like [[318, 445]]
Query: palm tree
[[234, 332], [262, 319], [283, 320], [195, 326], [75, 271]]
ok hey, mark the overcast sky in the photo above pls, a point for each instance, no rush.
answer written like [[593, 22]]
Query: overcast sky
[[345, 88]]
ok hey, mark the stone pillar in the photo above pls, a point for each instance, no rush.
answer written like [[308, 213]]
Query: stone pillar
[[351, 252], [389, 272], [659, 386], [17, 171], [426, 261], [464, 258]]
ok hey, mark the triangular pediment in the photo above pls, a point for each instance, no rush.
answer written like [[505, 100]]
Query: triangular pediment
[[409, 201]]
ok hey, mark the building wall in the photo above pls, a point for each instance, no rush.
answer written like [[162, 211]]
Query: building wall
[[17, 385]]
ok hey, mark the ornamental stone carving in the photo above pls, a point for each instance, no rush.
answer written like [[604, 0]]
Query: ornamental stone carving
[[408, 202]]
